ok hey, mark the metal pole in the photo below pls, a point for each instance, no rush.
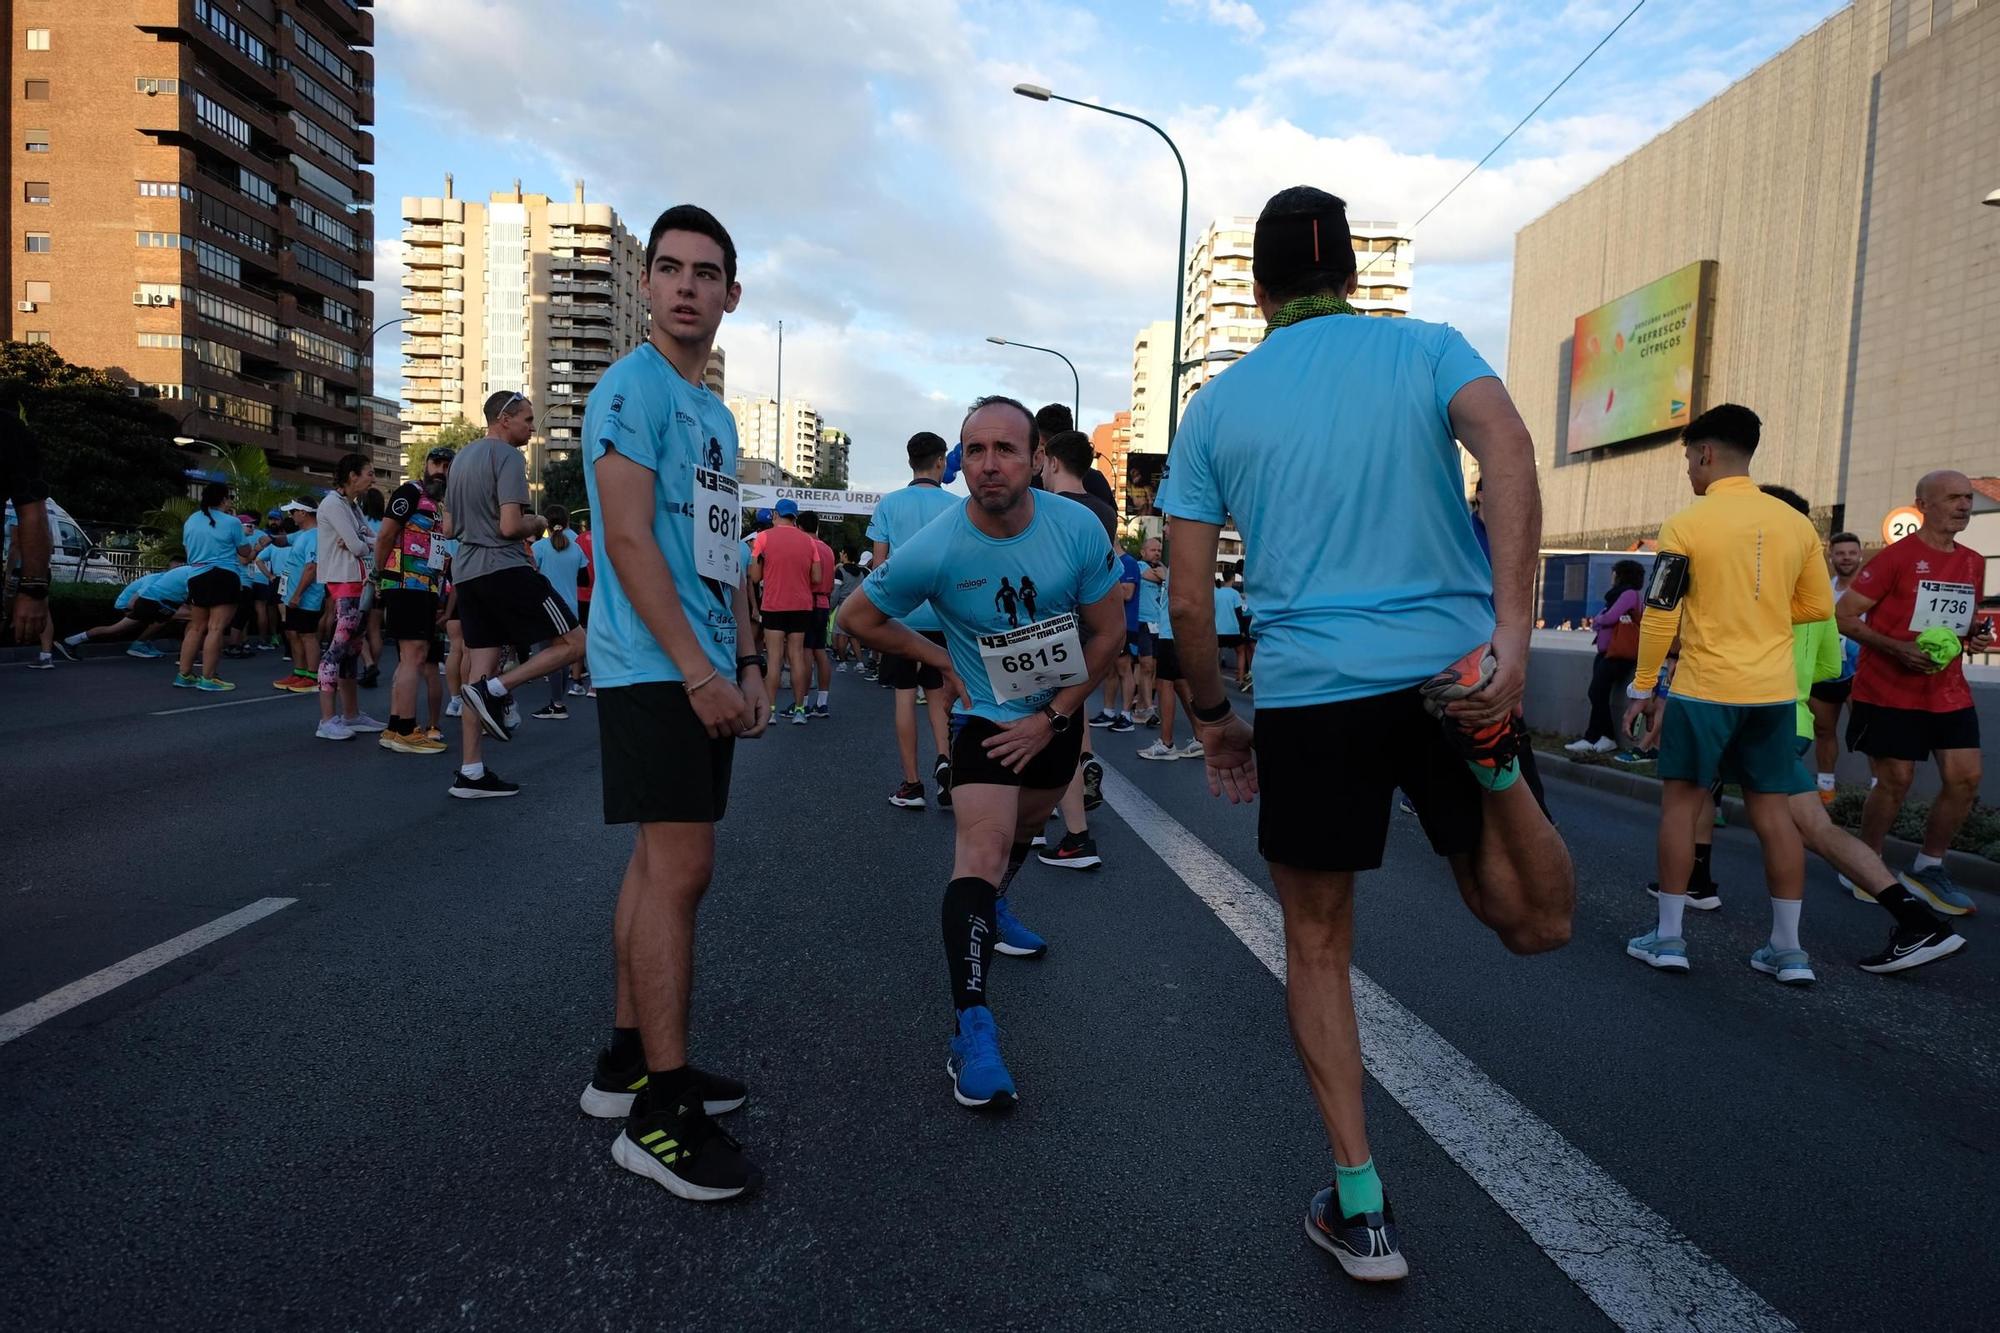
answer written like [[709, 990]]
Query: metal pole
[[1076, 384], [778, 440]]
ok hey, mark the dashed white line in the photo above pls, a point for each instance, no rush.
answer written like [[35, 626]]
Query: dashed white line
[[28, 1017], [1631, 1263], [230, 703]]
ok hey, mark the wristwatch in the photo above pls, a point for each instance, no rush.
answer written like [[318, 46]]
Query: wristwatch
[[35, 590], [753, 660], [1058, 722], [1208, 717]]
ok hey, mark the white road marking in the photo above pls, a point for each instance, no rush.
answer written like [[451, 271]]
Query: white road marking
[[234, 703], [1636, 1268], [16, 1022]]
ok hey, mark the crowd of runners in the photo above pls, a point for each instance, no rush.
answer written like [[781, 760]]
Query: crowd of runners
[[1017, 636]]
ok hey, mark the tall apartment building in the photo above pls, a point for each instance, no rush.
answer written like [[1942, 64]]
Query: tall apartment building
[[518, 293], [790, 439], [1152, 371], [1222, 316], [756, 427], [189, 207], [835, 447], [382, 439], [1111, 441]]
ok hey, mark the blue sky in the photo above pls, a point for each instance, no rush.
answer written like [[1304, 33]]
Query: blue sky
[[894, 203]]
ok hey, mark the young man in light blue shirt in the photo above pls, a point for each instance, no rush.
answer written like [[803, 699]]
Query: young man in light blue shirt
[[1331, 447], [899, 516], [674, 691], [1021, 670]]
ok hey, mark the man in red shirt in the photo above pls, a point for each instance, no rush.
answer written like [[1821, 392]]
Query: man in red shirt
[[1905, 708], [817, 659], [787, 564]]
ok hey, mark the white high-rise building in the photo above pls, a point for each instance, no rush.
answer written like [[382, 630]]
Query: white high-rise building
[[789, 439], [1152, 372]]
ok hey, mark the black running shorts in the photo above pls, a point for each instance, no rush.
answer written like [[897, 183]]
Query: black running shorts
[[660, 764], [816, 631], [298, 620], [907, 673], [788, 622], [1833, 691], [1881, 732], [149, 612], [1327, 775], [511, 606], [409, 614], [1050, 770], [215, 587], [1167, 661]]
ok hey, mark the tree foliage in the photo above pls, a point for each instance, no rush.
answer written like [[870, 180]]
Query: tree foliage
[[562, 483], [453, 434], [108, 457], [249, 473]]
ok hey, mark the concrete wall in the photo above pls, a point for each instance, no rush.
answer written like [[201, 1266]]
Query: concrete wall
[[1559, 675]]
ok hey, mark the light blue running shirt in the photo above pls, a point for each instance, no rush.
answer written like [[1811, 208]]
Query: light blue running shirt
[[1060, 562], [900, 516], [643, 409], [1331, 448], [213, 545], [169, 588], [562, 568], [1226, 601]]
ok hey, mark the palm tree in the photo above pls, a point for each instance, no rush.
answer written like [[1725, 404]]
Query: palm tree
[[248, 471]]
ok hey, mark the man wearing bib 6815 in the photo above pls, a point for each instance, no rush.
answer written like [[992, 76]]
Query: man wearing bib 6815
[[1910, 703], [1020, 680], [674, 691]]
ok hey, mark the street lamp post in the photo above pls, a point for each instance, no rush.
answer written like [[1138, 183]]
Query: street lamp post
[[1039, 94], [1076, 385]]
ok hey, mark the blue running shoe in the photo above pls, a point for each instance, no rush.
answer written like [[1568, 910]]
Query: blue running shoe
[[1938, 889], [1015, 939], [1790, 966], [1667, 955], [1366, 1245], [979, 1078], [184, 682]]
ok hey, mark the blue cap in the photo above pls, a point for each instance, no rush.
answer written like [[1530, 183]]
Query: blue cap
[[787, 509], [275, 513], [763, 516]]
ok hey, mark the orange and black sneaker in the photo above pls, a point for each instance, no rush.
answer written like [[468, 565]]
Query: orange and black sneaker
[[1493, 751]]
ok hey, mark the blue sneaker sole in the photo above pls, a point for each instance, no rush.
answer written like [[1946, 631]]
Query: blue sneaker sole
[[1664, 962], [1944, 905], [999, 1101]]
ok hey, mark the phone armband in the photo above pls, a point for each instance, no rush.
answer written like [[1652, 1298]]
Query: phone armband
[[1669, 581]]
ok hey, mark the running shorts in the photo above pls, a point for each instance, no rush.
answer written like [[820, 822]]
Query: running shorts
[[1833, 691], [1139, 642], [215, 587], [816, 630], [410, 614], [907, 673], [1228, 641], [1748, 744], [790, 622], [1050, 770], [509, 606], [1909, 733], [1167, 661], [660, 764], [149, 612], [298, 620]]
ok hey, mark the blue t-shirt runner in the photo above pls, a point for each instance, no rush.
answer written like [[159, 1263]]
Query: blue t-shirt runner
[[1129, 570], [901, 515]]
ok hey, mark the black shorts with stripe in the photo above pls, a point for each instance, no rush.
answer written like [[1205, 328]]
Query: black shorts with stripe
[[515, 605]]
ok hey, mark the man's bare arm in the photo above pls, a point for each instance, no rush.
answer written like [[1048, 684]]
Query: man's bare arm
[[1191, 608]]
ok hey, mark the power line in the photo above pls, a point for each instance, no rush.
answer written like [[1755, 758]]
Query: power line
[[1517, 128]]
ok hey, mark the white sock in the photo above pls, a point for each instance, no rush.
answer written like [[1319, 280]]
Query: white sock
[[1926, 862], [1826, 782], [822, 698], [1671, 907], [76, 639], [1785, 922], [45, 657], [473, 771], [496, 689]]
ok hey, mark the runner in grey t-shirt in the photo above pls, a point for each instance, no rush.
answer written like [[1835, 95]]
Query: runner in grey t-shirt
[[486, 474]]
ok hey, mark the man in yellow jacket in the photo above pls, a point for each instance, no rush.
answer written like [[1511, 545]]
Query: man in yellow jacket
[[1736, 570]]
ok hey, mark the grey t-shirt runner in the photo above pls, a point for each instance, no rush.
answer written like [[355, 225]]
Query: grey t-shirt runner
[[486, 474]]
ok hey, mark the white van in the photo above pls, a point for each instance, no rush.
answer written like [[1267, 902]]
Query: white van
[[76, 558]]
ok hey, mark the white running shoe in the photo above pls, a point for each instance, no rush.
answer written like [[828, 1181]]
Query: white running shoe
[[453, 708], [1194, 750], [1159, 751], [362, 722], [333, 729]]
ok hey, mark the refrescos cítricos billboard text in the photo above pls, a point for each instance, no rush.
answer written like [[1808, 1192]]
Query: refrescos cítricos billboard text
[[1636, 364]]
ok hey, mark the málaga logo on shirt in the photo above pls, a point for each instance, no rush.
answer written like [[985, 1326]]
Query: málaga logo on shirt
[[712, 456]]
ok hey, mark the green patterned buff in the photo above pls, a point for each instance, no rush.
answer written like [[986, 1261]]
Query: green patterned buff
[[1310, 307]]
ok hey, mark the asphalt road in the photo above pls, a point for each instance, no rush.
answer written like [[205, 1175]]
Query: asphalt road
[[360, 1110]]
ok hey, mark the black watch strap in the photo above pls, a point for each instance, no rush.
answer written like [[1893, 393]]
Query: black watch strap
[[745, 663], [1210, 716]]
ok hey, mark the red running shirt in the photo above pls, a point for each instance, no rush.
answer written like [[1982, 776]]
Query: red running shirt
[[823, 589], [787, 554], [1916, 586]]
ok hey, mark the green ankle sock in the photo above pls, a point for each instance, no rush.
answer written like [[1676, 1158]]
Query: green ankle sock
[[1496, 779], [1360, 1189]]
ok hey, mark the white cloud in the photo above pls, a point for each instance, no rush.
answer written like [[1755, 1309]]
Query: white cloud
[[1227, 13]]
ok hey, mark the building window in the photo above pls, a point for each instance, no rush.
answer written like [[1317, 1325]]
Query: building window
[[38, 335], [36, 141], [165, 190], [38, 243], [36, 291], [221, 119], [35, 90], [152, 86], [38, 39], [34, 192]]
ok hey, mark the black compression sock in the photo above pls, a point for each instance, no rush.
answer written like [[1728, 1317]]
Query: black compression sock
[[1016, 858], [401, 726], [1906, 907], [625, 1045], [1702, 851], [969, 932]]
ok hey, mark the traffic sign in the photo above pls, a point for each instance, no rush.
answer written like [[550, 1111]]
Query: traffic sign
[[1901, 522]]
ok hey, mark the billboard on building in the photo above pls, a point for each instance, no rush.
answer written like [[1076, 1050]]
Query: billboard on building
[[1637, 364]]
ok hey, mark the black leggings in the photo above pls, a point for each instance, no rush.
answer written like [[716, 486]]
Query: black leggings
[[1608, 677]]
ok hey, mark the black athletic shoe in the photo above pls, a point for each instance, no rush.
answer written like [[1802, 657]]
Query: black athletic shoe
[[679, 1147], [491, 710], [63, 650], [371, 678], [612, 1089], [1076, 851], [941, 775], [551, 713], [1701, 897], [1914, 945], [1366, 1244], [486, 784], [1093, 784], [1123, 724], [910, 796]]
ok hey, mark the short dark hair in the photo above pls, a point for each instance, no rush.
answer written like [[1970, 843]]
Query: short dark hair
[[1730, 425], [809, 522], [691, 217], [1303, 246], [924, 447], [349, 467], [1072, 449], [499, 401], [373, 504], [1052, 421], [1839, 537], [1790, 497], [1002, 400]]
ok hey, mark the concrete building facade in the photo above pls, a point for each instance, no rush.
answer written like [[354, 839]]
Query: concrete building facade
[[520, 293], [188, 206], [835, 449], [1152, 373], [1838, 189], [1112, 441]]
